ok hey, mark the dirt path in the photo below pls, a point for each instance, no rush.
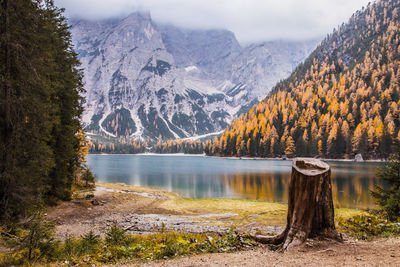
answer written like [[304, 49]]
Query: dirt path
[[382, 252]]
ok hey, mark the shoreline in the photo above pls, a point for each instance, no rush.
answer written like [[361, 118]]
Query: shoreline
[[147, 191], [144, 211], [150, 154], [234, 158]]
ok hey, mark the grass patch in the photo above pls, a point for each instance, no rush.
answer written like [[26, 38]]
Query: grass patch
[[344, 213], [267, 213], [118, 246], [368, 226]]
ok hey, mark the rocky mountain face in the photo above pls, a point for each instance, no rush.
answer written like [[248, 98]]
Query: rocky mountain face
[[151, 81]]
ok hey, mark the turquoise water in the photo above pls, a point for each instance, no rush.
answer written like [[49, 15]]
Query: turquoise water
[[206, 177]]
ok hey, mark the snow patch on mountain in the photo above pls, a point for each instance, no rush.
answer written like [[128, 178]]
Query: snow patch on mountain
[[191, 68]]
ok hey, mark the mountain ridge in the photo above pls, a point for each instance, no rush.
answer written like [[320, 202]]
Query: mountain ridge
[[151, 82]]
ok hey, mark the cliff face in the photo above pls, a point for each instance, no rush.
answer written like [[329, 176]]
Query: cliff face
[[148, 81]]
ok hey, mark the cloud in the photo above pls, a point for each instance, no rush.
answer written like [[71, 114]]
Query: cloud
[[250, 20]]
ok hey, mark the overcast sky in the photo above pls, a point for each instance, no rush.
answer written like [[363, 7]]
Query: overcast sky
[[250, 20]]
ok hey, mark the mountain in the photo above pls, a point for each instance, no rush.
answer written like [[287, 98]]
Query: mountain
[[343, 100], [157, 82]]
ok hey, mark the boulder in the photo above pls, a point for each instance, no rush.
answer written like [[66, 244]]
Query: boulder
[[358, 158]]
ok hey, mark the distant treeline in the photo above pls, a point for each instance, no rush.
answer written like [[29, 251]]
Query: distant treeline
[[121, 145], [179, 146]]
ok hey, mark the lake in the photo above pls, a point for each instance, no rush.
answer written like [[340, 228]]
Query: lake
[[209, 177]]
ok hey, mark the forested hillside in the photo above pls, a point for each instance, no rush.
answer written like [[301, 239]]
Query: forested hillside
[[343, 100], [40, 107]]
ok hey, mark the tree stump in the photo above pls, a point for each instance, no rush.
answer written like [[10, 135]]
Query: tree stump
[[310, 205]]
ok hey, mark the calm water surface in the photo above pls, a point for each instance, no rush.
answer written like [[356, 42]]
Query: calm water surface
[[205, 177]]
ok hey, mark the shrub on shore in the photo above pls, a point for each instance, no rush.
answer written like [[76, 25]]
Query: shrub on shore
[[369, 226]]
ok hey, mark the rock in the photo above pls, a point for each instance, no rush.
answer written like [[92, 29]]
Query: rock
[[358, 158], [95, 202], [89, 196]]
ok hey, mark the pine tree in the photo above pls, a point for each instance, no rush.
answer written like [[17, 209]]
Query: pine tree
[[26, 108], [290, 148], [389, 199], [40, 106], [66, 142]]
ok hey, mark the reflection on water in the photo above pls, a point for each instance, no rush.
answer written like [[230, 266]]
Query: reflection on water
[[204, 177]]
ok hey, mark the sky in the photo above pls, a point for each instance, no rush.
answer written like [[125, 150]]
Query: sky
[[250, 20]]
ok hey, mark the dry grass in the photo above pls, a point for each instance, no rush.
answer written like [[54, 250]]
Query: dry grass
[[265, 213], [347, 213], [139, 189]]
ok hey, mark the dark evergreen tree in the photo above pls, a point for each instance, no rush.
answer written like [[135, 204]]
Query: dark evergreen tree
[[389, 199], [40, 106], [66, 81], [25, 107]]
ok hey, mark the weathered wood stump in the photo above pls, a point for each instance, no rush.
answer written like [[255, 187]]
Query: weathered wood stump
[[310, 205]]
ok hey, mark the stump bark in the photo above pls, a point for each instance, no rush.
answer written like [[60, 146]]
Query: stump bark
[[310, 206]]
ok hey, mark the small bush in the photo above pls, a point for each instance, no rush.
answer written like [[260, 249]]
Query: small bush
[[115, 235], [34, 238], [71, 247], [89, 242], [88, 178], [370, 226]]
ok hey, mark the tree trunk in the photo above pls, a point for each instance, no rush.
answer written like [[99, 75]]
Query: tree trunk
[[310, 210], [5, 177]]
